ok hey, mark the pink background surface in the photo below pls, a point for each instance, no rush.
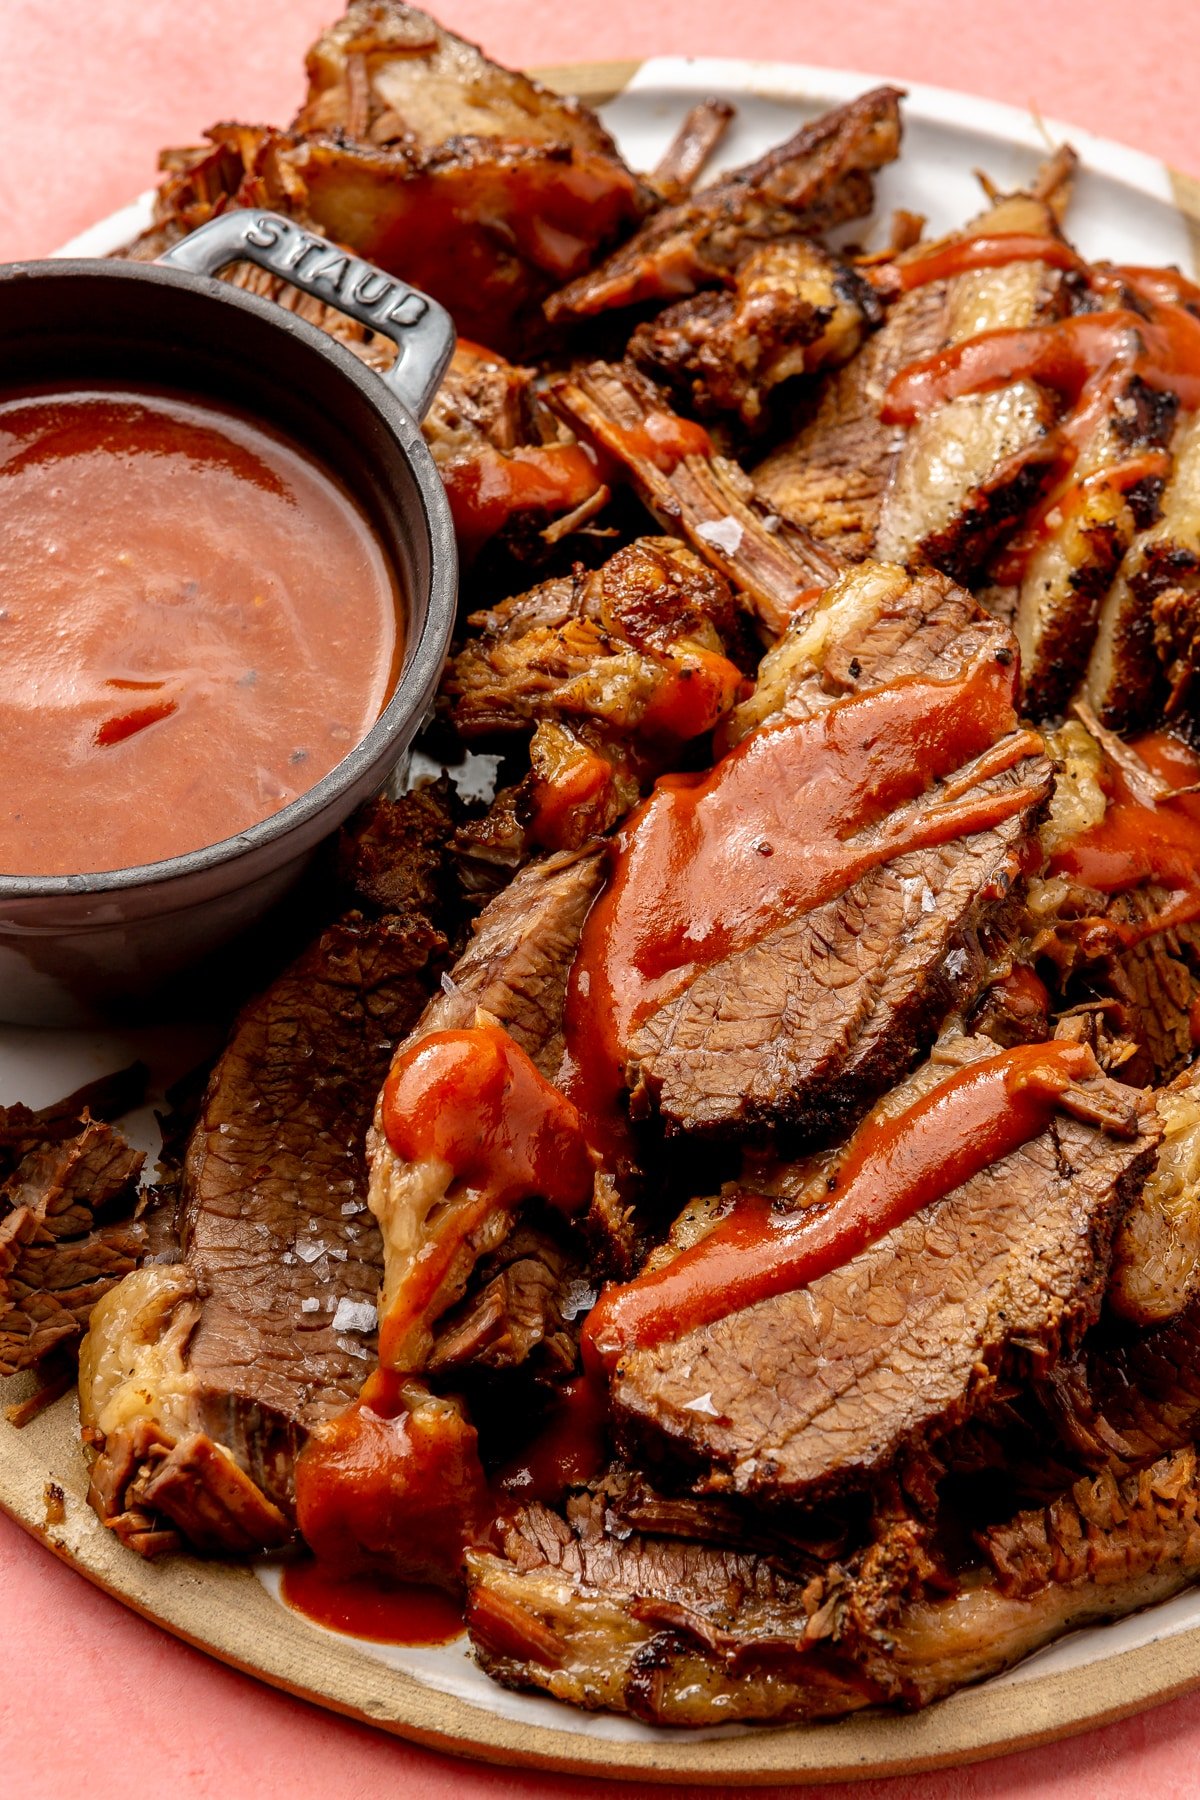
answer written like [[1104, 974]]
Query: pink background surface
[[95, 1701]]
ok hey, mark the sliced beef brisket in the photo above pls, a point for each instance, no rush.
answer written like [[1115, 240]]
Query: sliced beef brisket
[[69, 1231], [813, 1391], [948, 488], [794, 309], [513, 973], [267, 1325], [681, 1633], [819, 177], [806, 1025]]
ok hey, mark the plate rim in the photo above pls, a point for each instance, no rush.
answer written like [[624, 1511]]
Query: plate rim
[[224, 1610]]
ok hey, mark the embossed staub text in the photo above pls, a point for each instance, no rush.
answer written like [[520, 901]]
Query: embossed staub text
[[351, 283]]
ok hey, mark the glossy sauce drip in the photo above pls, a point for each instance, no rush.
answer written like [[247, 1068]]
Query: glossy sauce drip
[[892, 1168], [488, 487], [196, 626], [370, 1606], [1135, 844], [474, 1100], [660, 437], [713, 862], [1072, 356], [389, 1496], [392, 1487], [941, 262]]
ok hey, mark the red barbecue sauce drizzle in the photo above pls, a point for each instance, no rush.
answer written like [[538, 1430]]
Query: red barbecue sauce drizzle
[[1083, 358], [383, 1483], [1135, 844], [486, 487], [712, 862], [1150, 284], [892, 1168], [1073, 356], [941, 262], [475, 1100]]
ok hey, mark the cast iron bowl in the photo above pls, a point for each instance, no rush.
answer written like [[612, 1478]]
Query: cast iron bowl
[[77, 948]]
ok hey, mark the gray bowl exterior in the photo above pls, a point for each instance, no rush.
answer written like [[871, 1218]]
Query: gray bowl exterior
[[77, 949]]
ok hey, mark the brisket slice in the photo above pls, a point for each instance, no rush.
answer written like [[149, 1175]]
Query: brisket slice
[[703, 497], [69, 1231], [266, 1326], [793, 309], [694, 1634], [519, 958], [515, 972], [524, 1302], [949, 487], [812, 1392], [875, 625], [584, 663], [1158, 980], [818, 178], [589, 645], [804, 1028]]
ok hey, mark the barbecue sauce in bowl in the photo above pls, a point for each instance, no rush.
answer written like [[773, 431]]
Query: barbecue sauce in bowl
[[197, 624]]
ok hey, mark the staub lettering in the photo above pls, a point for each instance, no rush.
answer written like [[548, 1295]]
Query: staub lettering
[[265, 232], [408, 309], [418, 326], [370, 287], [304, 249], [333, 273], [369, 291]]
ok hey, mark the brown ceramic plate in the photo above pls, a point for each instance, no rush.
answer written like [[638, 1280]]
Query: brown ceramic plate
[[1128, 207]]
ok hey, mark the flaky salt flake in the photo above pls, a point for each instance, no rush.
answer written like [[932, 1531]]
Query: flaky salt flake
[[723, 534], [449, 985], [350, 1207], [355, 1315], [310, 1304], [703, 1403], [308, 1250], [580, 1297]]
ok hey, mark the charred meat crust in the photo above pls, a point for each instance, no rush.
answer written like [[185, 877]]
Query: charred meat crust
[[818, 178], [685, 1634]]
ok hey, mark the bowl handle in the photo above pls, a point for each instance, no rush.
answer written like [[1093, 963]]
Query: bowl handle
[[422, 331]]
